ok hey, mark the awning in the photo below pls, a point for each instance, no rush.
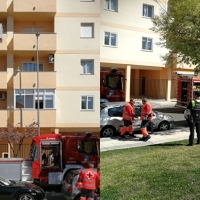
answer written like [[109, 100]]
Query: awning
[[188, 74]]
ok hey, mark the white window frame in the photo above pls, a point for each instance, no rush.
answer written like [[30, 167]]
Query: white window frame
[[87, 96], [87, 30], [147, 41], [110, 45], [84, 67], [108, 5], [43, 93], [145, 14], [87, 0], [41, 66]]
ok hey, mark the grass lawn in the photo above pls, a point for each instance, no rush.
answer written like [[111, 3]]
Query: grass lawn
[[165, 171]]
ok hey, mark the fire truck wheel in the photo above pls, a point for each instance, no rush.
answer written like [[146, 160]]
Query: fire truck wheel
[[108, 131], [163, 126], [25, 196], [77, 197]]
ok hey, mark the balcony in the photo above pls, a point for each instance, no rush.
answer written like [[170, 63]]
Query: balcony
[[30, 6], [26, 117], [3, 80], [46, 42], [3, 6], [3, 44], [24, 80], [4, 118]]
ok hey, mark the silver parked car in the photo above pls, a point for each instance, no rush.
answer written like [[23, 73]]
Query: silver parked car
[[111, 118], [69, 189]]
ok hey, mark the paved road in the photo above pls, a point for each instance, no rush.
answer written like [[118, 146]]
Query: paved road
[[53, 192]]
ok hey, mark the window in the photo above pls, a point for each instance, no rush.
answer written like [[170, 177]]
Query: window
[[110, 39], [87, 0], [32, 30], [32, 67], [87, 30], [87, 103], [88, 146], [115, 112], [147, 11], [111, 5], [87, 67], [147, 44], [28, 99]]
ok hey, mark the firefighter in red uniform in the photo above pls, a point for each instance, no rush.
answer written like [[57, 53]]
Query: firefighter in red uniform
[[146, 117], [88, 179], [128, 115]]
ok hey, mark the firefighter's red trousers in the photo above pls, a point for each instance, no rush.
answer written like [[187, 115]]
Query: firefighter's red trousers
[[125, 129]]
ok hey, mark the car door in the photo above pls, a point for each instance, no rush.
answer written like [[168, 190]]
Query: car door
[[6, 192], [115, 114]]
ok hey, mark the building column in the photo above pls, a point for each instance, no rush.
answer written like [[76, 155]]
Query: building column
[[128, 82], [169, 84]]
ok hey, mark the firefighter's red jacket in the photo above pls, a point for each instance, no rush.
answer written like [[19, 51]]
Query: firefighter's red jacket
[[146, 111], [128, 112], [88, 178]]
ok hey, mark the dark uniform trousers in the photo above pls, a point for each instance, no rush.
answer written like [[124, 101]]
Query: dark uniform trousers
[[192, 126]]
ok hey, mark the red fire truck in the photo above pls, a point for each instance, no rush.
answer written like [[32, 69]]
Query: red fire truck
[[111, 85], [186, 85], [54, 155]]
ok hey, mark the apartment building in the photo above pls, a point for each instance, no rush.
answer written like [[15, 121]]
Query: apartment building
[[61, 38], [126, 42]]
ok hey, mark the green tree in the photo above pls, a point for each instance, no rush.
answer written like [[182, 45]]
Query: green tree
[[179, 30]]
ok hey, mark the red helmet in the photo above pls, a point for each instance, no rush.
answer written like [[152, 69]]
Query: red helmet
[[79, 185]]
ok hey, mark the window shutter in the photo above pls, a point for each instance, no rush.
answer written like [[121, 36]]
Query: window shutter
[[86, 30]]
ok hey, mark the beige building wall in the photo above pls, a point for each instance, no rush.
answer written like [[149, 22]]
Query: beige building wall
[[71, 49], [148, 70], [59, 25]]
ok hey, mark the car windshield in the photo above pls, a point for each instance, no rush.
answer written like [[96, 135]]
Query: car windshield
[[5, 181]]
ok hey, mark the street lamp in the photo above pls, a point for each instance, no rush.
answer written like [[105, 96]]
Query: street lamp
[[38, 96]]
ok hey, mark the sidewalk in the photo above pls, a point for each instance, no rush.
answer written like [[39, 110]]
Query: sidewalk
[[160, 103], [114, 143]]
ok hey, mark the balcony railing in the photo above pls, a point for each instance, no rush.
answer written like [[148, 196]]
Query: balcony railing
[[3, 6], [24, 80], [27, 116], [3, 80], [46, 42], [3, 43], [34, 6]]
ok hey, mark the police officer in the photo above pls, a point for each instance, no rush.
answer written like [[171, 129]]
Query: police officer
[[194, 107]]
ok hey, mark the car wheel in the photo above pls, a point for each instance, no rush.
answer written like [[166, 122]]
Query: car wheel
[[108, 131], [26, 196], [163, 126]]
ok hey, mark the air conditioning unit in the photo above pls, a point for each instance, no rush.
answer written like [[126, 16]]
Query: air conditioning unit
[[2, 95], [51, 58], [5, 155]]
